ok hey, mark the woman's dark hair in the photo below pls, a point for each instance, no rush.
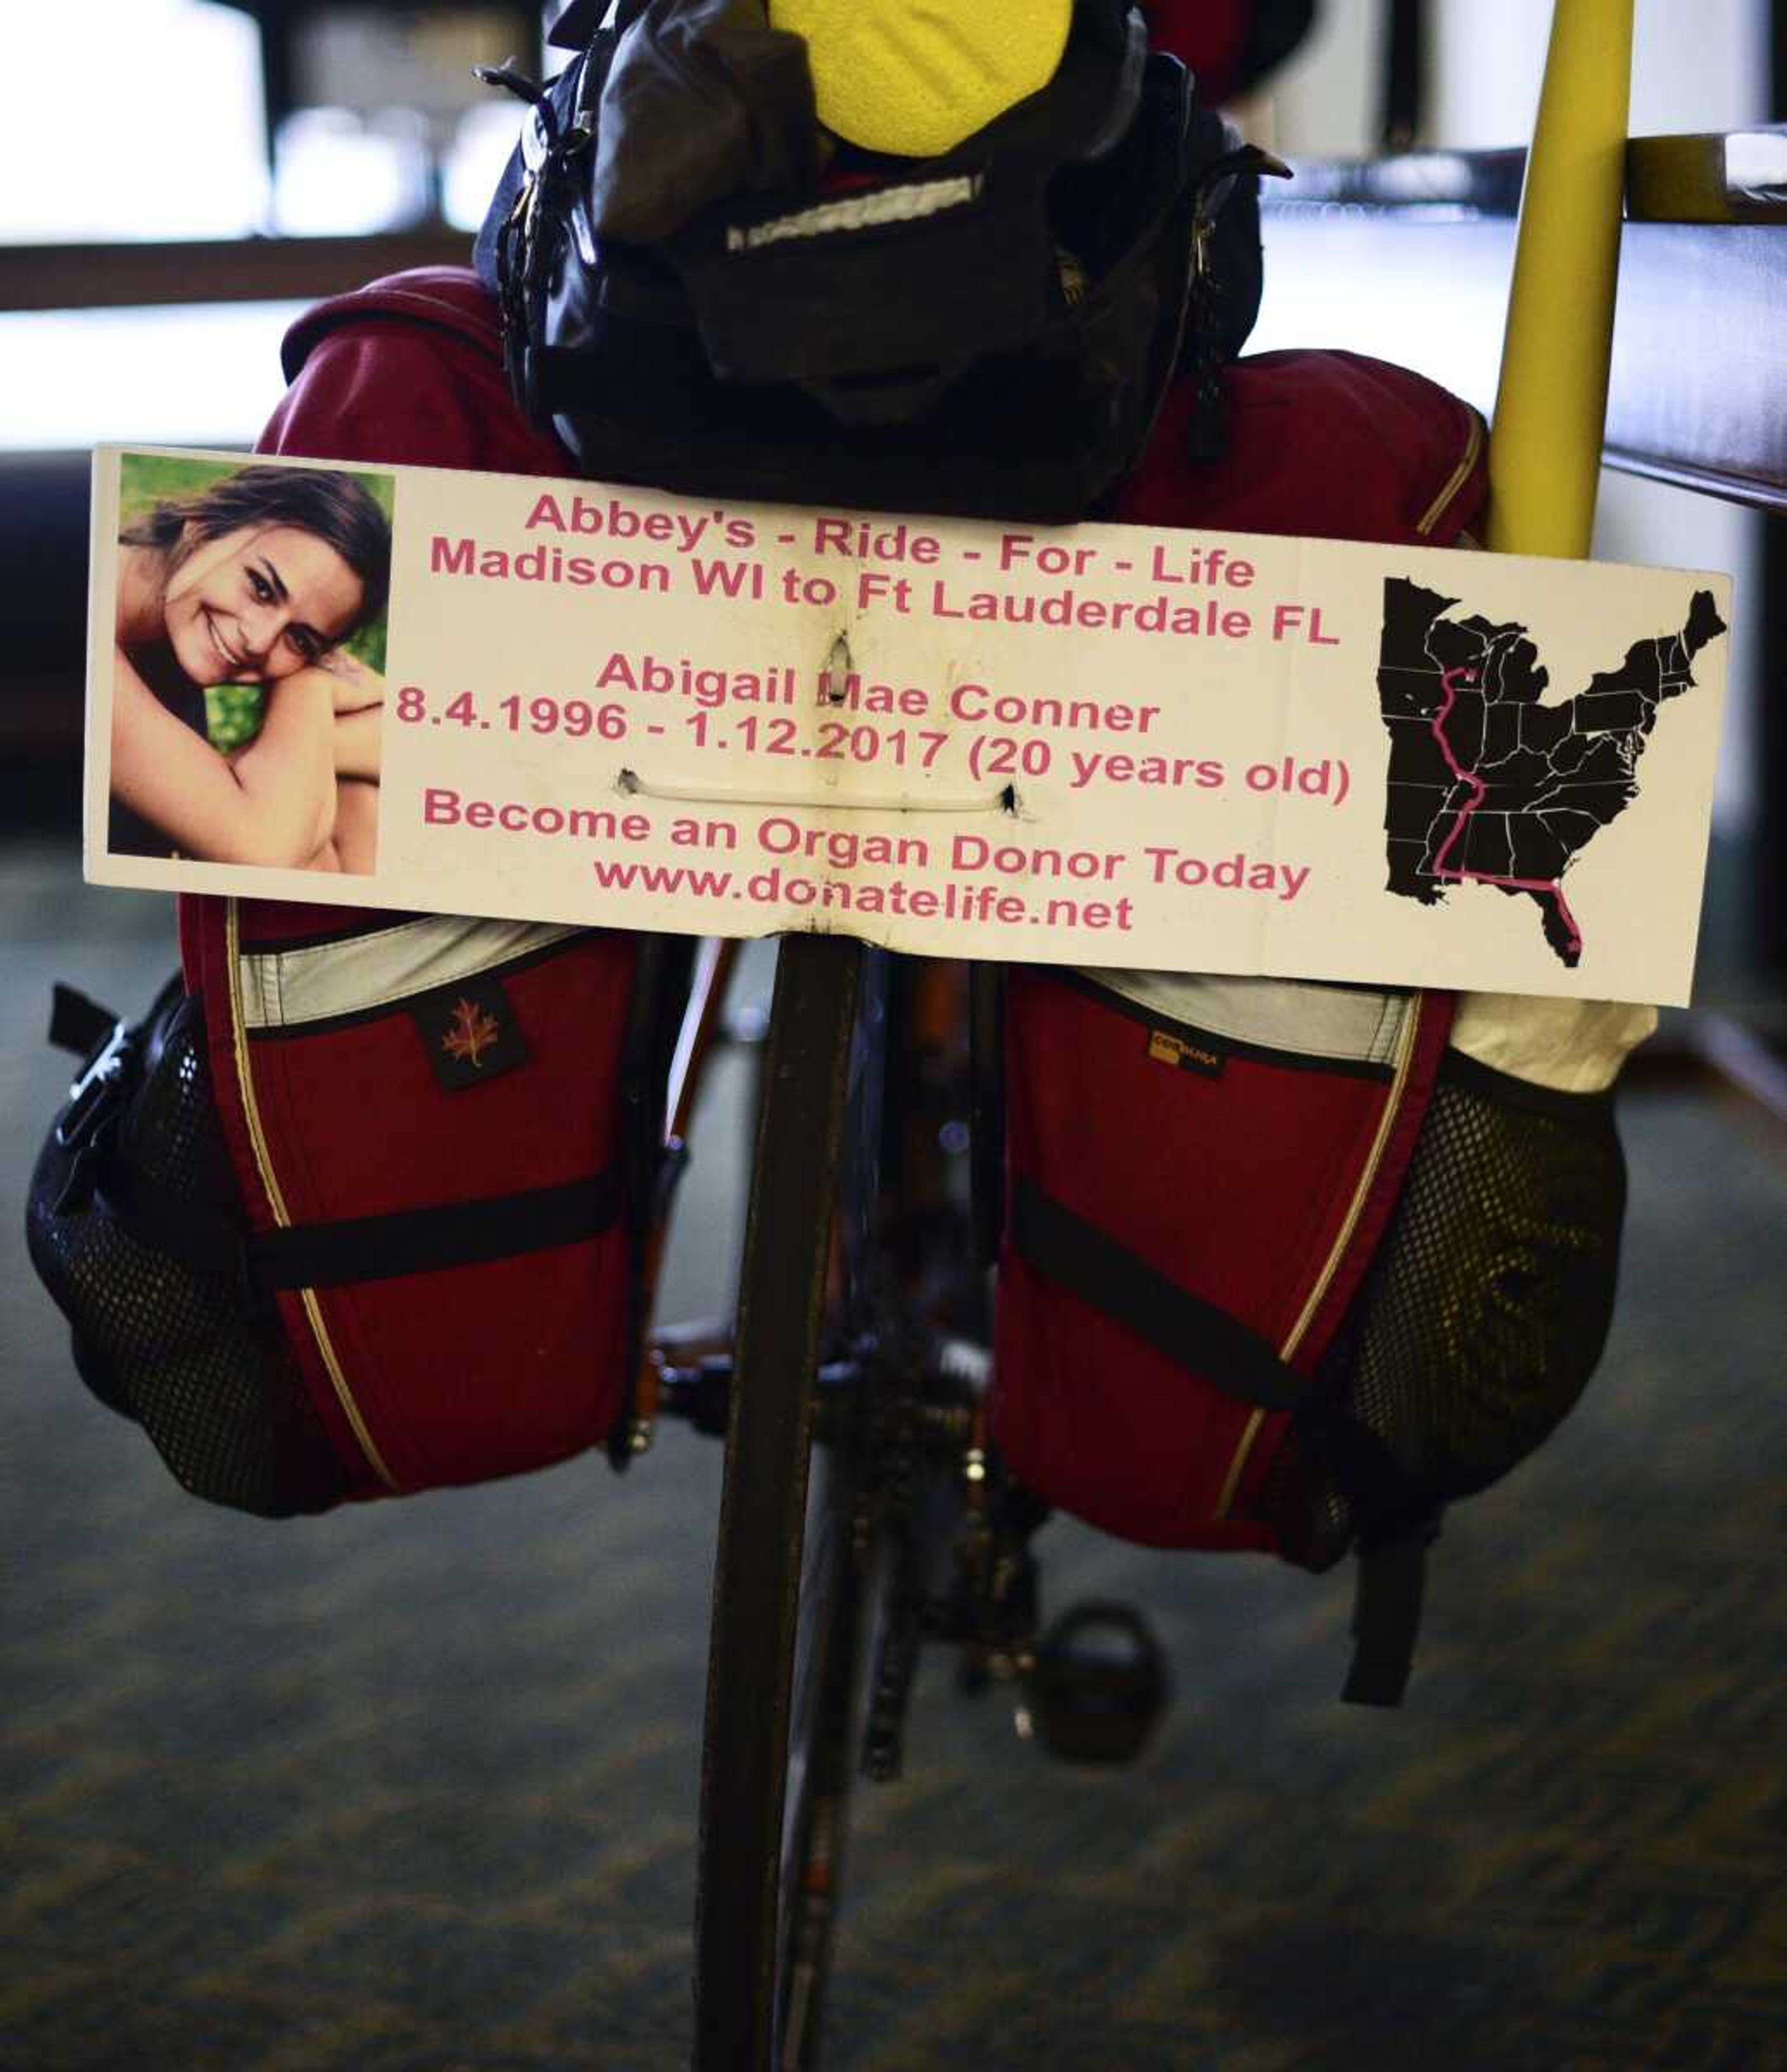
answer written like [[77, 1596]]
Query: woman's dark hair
[[338, 509]]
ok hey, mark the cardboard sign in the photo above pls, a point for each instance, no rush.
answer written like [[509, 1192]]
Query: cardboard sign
[[1102, 745]]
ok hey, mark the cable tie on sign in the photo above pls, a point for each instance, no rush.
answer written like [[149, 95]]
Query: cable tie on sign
[[632, 786]]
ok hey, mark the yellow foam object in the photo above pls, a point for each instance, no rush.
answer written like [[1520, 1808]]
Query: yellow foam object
[[1551, 410], [914, 77]]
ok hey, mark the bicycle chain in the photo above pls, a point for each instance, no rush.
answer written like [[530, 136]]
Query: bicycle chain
[[988, 1606]]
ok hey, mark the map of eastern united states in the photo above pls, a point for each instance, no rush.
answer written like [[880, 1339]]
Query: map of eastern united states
[[1487, 786]]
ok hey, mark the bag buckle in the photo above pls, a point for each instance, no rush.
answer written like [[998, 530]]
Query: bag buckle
[[100, 1085]]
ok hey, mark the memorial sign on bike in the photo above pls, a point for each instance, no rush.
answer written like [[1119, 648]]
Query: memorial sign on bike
[[1100, 744]]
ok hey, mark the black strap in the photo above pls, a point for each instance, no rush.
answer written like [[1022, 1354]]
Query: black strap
[[1206, 1341], [987, 1108], [77, 1023], [1092, 1266], [1396, 1520], [426, 1240], [1405, 76], [360, 1248], [1386, 1616], [663, 967]]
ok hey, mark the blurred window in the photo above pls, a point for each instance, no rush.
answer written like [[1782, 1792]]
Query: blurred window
[[475, 159], [339, 175], [190, 374], [146, 121]]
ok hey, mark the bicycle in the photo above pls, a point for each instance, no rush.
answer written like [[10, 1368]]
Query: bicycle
[[863, 1510]]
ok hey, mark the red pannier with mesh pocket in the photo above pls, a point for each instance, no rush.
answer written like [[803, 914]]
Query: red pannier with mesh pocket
[[1199, 1171], [1282, 1270], [436, 1250], [355, 1210]]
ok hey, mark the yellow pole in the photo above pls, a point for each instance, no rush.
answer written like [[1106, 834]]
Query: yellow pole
[[1550, 405]]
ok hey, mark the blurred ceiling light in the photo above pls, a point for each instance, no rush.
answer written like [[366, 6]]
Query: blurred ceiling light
[[335, 175], [201, 374], [475, 161], [170, 90]]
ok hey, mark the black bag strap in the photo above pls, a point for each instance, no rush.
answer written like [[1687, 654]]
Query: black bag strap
[[1091, 1264], [359, 1248], [987, 1108], [649, 1163], [1397, 1524], [77, 1023], [1386, 1618], [425, 1240]]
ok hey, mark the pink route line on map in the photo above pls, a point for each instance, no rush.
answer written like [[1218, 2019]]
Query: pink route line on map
[[1450, 680]]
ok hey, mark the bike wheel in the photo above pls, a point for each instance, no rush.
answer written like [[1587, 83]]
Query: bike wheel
[[822, 1761], [776, 1759]]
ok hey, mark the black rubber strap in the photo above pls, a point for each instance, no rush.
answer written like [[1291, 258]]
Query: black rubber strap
[[1205, 1340], [1386, 1616], [336, 1255], [1396, 1519], [426, 1240], [77, 1023]]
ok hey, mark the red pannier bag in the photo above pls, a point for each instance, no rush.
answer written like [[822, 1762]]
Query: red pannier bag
[[1283, 1269], [356, 1209], [1192, 1204], [461, 1371], [423, 1116]]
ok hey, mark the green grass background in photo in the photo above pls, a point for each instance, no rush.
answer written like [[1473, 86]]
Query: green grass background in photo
[[233, 711]]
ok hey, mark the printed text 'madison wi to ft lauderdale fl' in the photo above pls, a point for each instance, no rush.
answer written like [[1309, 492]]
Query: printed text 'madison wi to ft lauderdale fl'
[[880, 555]]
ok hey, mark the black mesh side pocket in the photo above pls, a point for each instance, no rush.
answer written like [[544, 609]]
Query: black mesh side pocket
[[185, 1349], [1481, 1319]]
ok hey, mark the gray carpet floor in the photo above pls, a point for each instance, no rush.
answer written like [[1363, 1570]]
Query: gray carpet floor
[[412, 1788]]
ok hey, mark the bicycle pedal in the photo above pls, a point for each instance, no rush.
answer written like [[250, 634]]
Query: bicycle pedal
[[1099, 1685], [699, 1395]]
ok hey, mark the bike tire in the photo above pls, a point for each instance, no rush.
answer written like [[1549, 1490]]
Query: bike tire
[[775, 1756], [821, 1765]]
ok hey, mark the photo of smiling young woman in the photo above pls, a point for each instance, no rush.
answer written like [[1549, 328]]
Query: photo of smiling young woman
[[256, 579]]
